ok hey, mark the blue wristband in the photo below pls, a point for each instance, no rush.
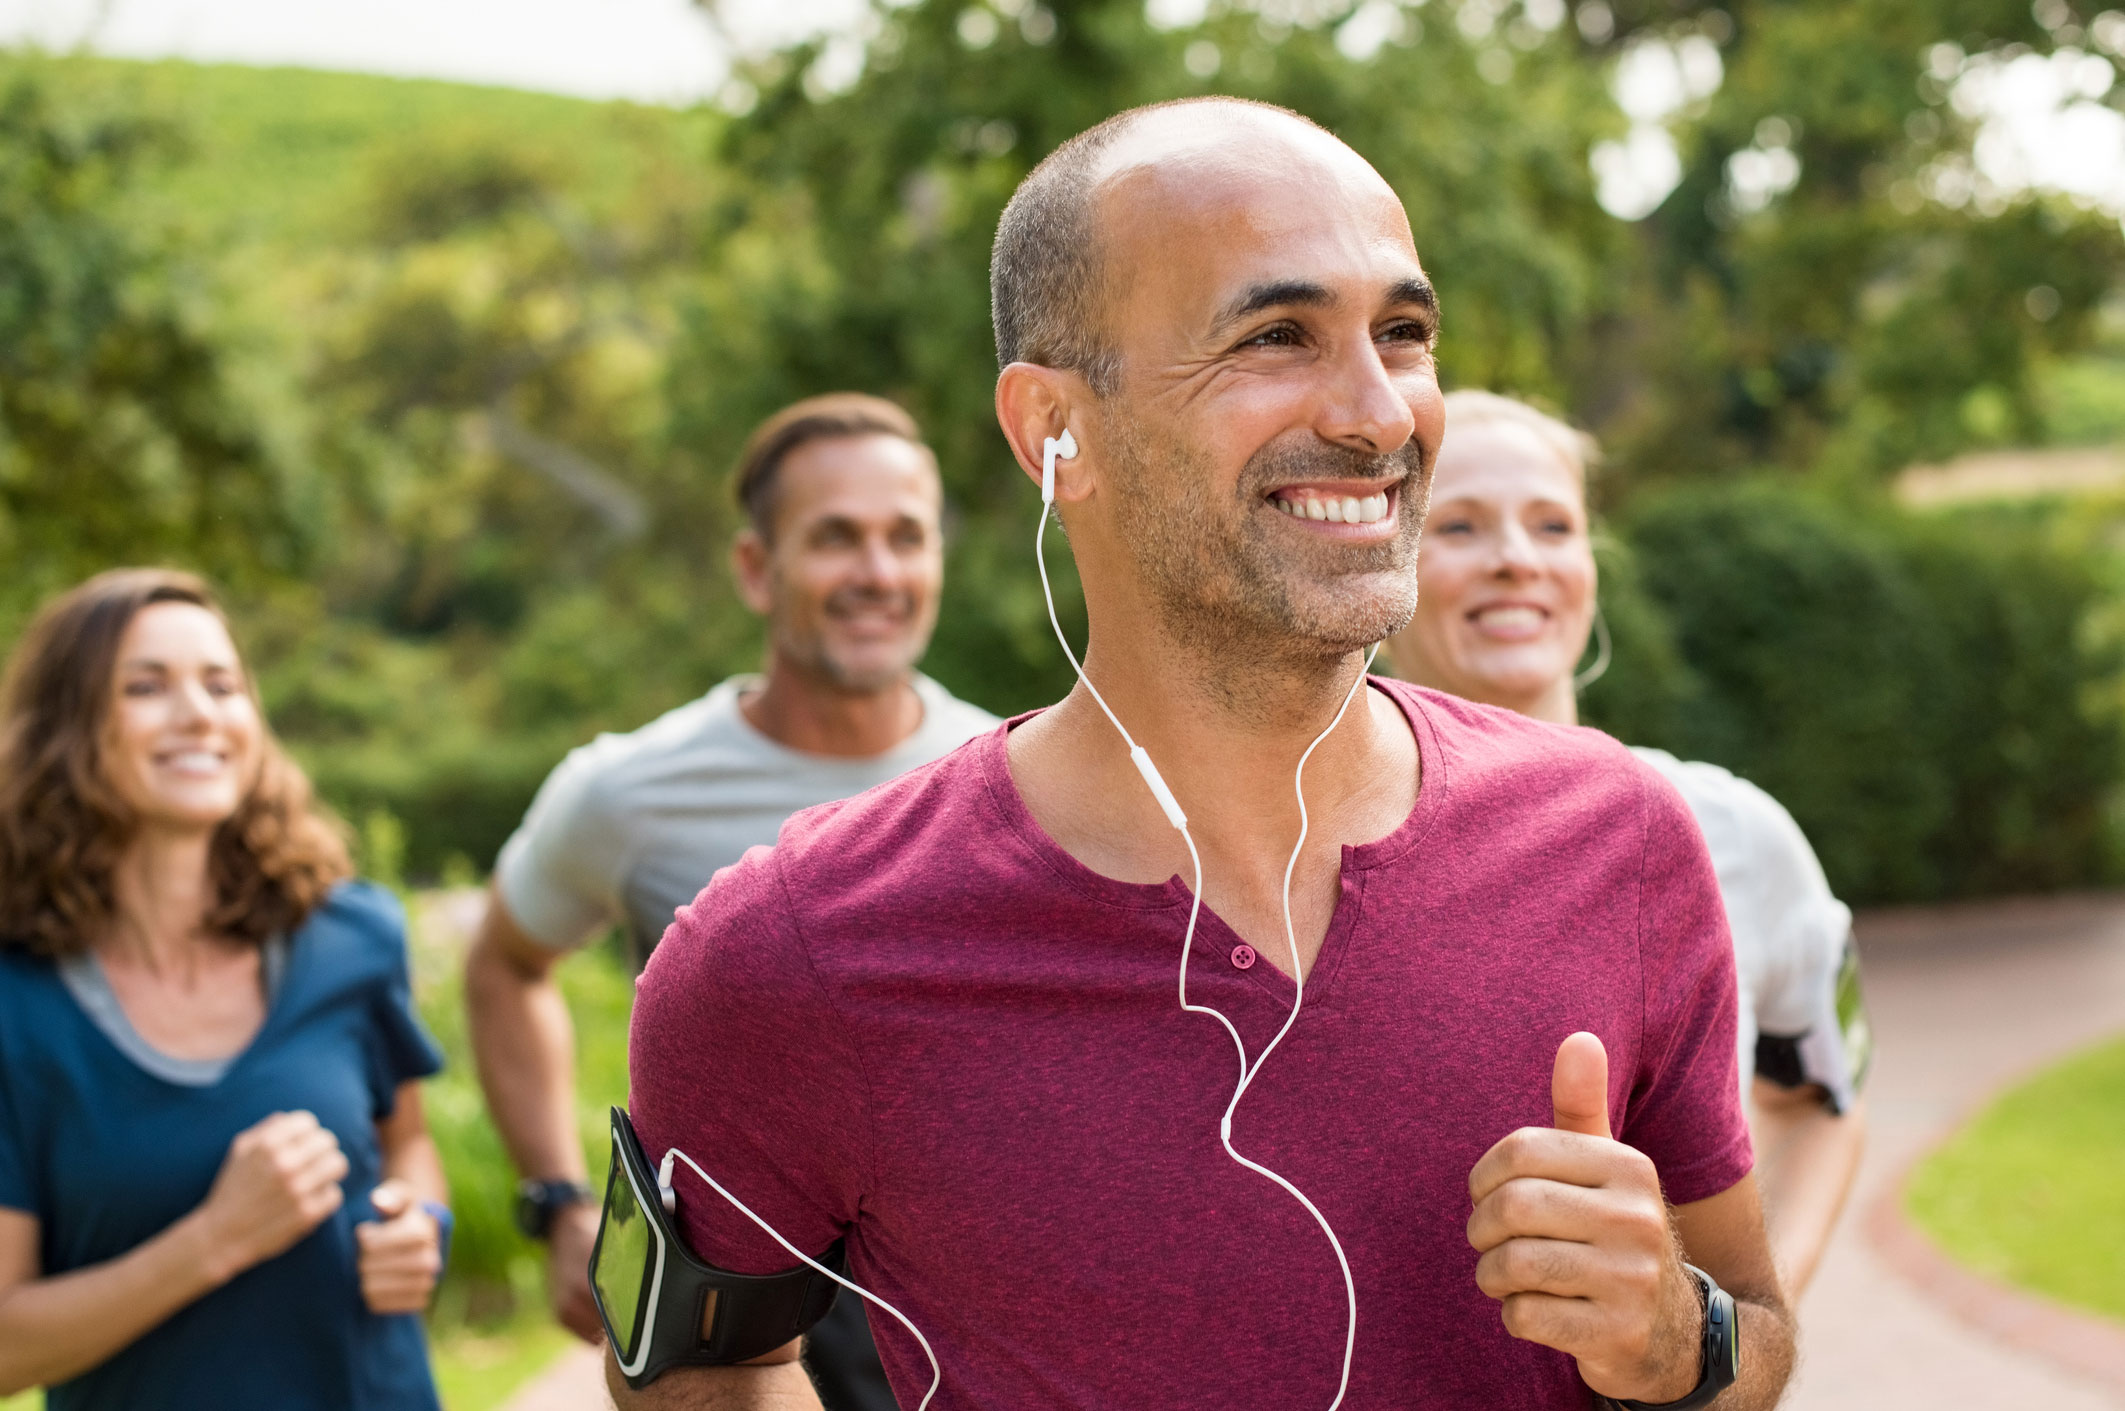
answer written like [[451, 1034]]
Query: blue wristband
[[444, 1223]]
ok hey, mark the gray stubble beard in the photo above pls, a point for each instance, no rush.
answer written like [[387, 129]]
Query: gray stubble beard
[[1225, 592]]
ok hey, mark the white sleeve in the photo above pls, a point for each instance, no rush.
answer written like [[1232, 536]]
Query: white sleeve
[[559, 874], [1804, 1032]]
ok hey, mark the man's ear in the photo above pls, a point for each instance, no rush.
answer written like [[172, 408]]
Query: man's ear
[[1035, 404], [749, 556]]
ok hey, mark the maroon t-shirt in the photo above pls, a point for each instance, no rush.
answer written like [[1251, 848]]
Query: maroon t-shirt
[[918, 1023]]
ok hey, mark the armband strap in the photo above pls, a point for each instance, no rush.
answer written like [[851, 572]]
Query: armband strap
[[664, 1306]]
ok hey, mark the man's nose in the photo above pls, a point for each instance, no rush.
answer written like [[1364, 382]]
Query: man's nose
[[877, 564], [1366, 410]]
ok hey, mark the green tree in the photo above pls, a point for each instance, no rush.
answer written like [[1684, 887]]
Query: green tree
[[135, 425]]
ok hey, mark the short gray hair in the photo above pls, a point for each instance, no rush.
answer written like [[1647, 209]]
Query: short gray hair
[[1047, 271]]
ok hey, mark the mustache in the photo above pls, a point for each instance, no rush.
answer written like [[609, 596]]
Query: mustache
[[845, 600], [1281, 464]]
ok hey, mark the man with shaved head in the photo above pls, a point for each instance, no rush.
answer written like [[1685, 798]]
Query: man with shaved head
[[1485, 1157]]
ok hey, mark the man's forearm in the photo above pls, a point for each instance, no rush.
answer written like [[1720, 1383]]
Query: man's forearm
[[524, 1045], [1766, 1356], [779, 1387]]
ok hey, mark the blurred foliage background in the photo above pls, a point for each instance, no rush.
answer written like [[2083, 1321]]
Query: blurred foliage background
[[442, 384]]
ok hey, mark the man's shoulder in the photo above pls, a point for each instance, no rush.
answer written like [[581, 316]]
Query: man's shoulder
[[936, 805], [1736, 815], [1489, 748], [900, 846]]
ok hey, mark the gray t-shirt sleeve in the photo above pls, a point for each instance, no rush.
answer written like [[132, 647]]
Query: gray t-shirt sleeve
[[560, 872]]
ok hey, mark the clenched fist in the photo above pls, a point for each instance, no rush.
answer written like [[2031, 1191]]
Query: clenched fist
[[1576, 1246], [401, 1252], [279, 1181]]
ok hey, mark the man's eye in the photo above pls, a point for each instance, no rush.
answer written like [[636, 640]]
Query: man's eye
[[1405, 331], [1281, 336]]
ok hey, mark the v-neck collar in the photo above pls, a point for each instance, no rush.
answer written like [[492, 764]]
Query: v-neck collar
[[1214, 938], [85, 980]]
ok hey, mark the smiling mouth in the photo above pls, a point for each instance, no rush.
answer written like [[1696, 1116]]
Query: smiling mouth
[[1509, 620], [1304, 502], [194, 762]]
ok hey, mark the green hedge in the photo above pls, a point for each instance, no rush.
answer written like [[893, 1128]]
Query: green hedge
[[1924, 693]]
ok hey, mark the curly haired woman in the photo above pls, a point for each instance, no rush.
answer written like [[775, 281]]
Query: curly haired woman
[[216, 1186]]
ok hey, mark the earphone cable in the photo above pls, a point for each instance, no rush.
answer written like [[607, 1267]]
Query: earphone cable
[[1247, 1070]]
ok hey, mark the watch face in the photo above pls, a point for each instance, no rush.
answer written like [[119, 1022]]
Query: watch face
[[533, 1216]]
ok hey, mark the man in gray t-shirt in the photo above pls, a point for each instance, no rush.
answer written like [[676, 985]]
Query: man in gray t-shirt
[[843, 555]]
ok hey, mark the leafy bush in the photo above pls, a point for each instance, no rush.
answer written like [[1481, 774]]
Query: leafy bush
[[494, 1271], [1920, 693]]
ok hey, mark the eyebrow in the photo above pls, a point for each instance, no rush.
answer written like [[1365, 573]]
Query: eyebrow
[[1415, 291], [1304, 293], [1277, 294]]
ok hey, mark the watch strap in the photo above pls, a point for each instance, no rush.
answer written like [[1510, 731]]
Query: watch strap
[[538, 1201]]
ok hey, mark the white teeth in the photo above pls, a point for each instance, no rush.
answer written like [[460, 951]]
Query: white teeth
[[1342, 509], [1510, 618], [196, 762]]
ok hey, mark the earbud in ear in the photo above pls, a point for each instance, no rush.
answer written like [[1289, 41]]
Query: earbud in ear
[[1063, 447]]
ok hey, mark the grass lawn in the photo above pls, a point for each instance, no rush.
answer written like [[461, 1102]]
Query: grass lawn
[[2030, 1191]]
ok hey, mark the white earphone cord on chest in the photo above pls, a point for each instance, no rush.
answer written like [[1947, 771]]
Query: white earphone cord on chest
[[1066, 447]]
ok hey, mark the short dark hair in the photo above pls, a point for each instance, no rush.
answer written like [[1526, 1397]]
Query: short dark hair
[[1047, 273], [822, 418]]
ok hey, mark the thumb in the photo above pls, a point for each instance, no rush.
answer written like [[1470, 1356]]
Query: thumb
[[1579, 1086], [392, 1199]]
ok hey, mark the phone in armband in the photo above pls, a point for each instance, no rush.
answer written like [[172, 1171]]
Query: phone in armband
[[662, 1306]]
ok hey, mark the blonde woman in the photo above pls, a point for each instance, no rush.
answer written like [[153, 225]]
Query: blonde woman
[[1505, 608]]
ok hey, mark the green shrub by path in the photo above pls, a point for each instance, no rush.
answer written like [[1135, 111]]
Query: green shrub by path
[[1925, 694], [2030, 1192]]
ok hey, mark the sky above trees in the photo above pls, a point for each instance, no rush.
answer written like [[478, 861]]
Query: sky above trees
[[2045, 126]]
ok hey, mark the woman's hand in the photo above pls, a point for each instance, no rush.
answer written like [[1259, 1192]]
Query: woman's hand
[[401, 1252], [279, 1181]]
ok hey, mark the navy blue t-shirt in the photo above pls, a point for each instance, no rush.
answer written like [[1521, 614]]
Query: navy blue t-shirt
[[106, 1155]]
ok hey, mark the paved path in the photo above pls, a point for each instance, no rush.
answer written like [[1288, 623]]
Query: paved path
[[1965, 1000]]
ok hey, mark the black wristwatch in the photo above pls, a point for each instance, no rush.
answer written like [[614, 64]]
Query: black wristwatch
[[1722, 1350], [537, 1202]]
